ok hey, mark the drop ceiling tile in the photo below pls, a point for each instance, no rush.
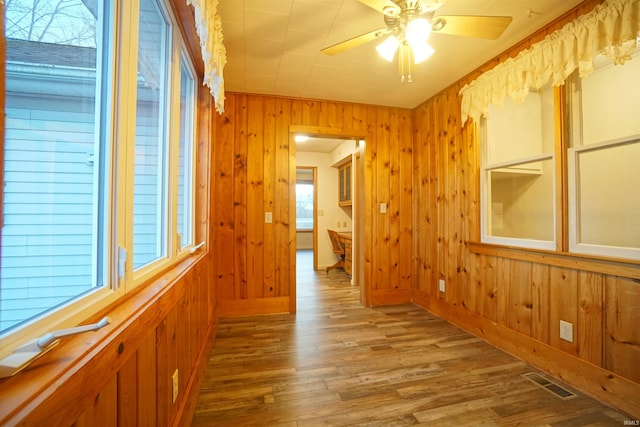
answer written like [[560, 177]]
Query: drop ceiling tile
[[293, 62], [265, 49], [231, 10], [302, 42], [312, 17], [265, 25], [260, 83], [269, 6]]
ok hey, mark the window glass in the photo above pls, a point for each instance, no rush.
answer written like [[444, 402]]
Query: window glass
[[150, 175], [518, 172], [604, 160], [608, 199], [185, 156], [304, 206], [55, 170]]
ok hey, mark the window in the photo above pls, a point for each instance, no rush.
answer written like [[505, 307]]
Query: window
[[517, 174], [185, 154], [601, 175], [304, 205], [55, 167], [604, 161], [151, 169], [87, 161]]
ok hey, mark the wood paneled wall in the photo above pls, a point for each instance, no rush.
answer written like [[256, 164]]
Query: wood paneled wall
[[254, 173], [516, 298]]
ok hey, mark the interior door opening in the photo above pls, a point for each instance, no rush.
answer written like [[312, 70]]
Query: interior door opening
[[337, 158]]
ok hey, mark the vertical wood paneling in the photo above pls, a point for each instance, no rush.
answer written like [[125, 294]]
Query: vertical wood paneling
[[284, 195], [255, 198], [266, 180], [223, 243], [382, 176], [622, 346], [101, 412], [541, 303], [182, 333], [395, 194], [563, 294], [127, 392], [269, 193], [146, 380], [405, 215], [241, 145], [520, 299], [590, 319]]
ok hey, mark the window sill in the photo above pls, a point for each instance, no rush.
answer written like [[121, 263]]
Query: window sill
[[612, 266]]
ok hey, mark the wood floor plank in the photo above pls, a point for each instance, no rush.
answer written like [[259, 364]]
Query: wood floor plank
[[336, 363]]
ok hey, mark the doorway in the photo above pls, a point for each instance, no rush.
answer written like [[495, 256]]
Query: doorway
[[330, 212]]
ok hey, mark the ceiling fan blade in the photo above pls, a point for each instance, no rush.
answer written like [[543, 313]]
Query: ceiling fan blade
[[379, 5], [355, 41], [485, 27]]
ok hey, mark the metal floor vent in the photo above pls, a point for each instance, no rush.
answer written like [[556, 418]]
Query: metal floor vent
[[550, 386]]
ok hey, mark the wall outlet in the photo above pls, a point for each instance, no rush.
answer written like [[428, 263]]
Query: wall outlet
[[441, 285], [175, 386], [566, 331], [268, 217]]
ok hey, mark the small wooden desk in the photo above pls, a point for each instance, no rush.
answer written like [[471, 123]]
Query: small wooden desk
[[345, 239]]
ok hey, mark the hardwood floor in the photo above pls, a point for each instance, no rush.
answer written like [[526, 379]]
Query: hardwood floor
[[337, 363]]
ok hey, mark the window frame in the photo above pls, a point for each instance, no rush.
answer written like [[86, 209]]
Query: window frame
[[565, 192], [119, 62], [485, 185]]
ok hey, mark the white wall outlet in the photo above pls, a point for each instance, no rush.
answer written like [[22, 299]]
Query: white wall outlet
[[175, 386], [566, 331], [441, 285], [383, 208], [268, 217]]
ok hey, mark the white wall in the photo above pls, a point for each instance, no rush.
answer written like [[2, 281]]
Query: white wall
[[330, 215]]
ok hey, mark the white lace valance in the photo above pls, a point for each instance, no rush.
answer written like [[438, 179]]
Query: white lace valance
[[214, 55], [610, 29]]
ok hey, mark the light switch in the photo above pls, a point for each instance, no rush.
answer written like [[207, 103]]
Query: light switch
[[320, 212], [268, 217], [383, 208]]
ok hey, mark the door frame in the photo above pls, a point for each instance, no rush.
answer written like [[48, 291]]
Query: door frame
[[359, 136]]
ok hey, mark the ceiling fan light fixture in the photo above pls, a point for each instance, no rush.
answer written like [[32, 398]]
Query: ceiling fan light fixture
[[418, 31], [387, 49], [421, 52]]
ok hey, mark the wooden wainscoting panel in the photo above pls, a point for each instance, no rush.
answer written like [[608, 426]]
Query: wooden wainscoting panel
[[147, 392], [102, 412], [590, 325], [622, 344], [127, 393]]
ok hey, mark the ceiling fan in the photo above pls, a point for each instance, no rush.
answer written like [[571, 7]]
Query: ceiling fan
[[408, 26]]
